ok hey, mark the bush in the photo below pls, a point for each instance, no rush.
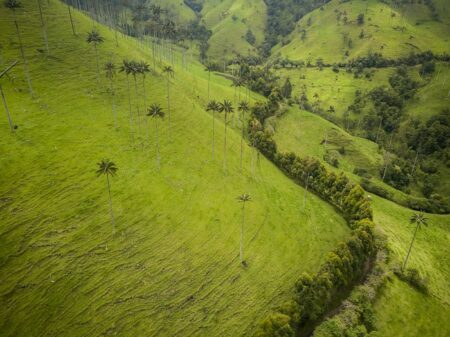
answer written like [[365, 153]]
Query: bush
[[362, 172], [413, 278], [276, 325], [375, 189]]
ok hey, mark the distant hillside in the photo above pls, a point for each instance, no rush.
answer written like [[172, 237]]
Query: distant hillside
[[341, 30]]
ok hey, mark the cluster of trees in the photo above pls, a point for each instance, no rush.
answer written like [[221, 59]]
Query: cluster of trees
[[314, 295]]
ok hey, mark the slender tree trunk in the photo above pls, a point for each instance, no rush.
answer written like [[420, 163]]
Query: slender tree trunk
[[137, 103], [410, 247], [209, 83], [158, 160], [241, 250], [113, 103], [385, 168], [98, 67], [71, 21], [225, 146], [145, 105], [415, 162], [130, 110], [168, 105], [22, 52], [44, 29], [11, 125], [113, 222], [242, 138], [213, 133]]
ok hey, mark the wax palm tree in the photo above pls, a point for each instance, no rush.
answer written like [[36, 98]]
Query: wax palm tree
[[243, 108], [156, 112], [13, 5], [126, 68], [209, 67], [110, 70], [95, 38], [108, 169], [168, 70], [226, 107], [134, 71], [244, 198], [213, 107], [43, 26], [144, 69], [71, 20], [419, 220]]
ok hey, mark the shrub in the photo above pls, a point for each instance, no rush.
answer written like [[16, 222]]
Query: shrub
[[276, 325], [413, 278], [375, 189]]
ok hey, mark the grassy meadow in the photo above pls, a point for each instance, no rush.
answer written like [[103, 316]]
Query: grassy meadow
[[172, 267]]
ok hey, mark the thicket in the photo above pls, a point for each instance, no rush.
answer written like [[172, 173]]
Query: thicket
[[315, 294]]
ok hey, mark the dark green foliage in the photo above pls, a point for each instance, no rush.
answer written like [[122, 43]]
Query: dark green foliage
[[413, 277], [195, 5], [397, 174], [360, 19], [264, 143], [286, 90], [403, 84], [375, 189], [428, 68], [250, 37], [276, 325]]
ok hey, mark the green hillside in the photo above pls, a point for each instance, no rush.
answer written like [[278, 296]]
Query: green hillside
[[230, 20], [172, 268], [333, 33]]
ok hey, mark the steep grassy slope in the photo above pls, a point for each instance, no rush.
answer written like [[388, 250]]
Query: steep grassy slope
[[172, 268], [402, 310], [229, 21], [303, 133], [393, 31]]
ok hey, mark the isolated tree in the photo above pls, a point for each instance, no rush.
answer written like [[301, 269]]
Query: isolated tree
[[110, 70], [244, 198], [13, 5], [209, 67], [419, 220], [95, 38], [156, 112], [126, 68], [243, 108], [168, 70], [213, 107], [226, 107], [108, 169], [43, 26]]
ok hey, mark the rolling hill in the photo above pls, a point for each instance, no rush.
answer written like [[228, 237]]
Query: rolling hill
[[172, 266]]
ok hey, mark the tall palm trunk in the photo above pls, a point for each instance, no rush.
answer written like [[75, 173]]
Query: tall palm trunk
[[98, 67], [209, 83], [225, 146], [22, 52], [410, 247], [71, 21], [113, 222], [145, 104], [113, 101], [242, 137], [158, 159], [44, 29], [168, 104], [137, 103], [130, 110], [241, 248], [11, 125], [213, 133]]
